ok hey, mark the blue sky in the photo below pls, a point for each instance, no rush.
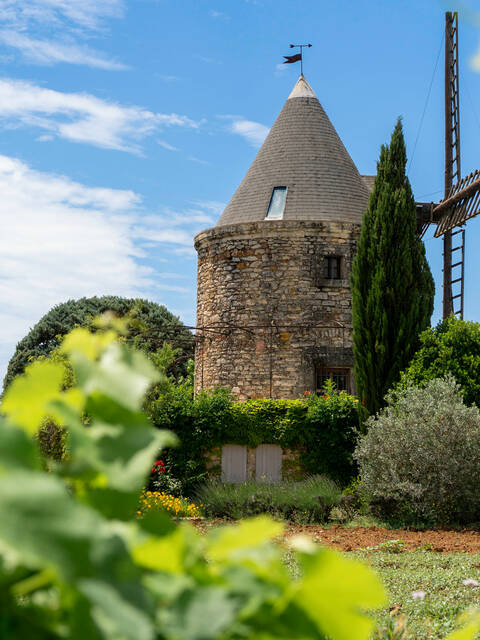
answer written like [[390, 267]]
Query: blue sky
[[127, 125]]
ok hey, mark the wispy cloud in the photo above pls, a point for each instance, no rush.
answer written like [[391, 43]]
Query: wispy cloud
[[198, 160], [62, 25], [88, 14], [167, 78], [173, 227], [81, 117], [212, 206], [172, 287], [219, 15], [208, 60], [49, 52], [62, 239], [475, 60], [253, 132], [166, 145]]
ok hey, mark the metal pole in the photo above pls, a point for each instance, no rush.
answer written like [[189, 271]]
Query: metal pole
[[447, 237]]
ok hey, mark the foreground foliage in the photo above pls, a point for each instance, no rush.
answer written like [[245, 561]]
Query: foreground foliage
[[420, 457], [74, 564], [307, 501], [451, 348], [392, 286]]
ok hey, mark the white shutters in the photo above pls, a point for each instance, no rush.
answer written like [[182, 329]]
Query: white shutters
[[268, 464], [234, 463]]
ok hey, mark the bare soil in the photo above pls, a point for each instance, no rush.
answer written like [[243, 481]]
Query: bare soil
[[355, 538]]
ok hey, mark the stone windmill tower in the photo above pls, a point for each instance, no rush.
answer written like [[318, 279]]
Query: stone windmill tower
[[274, 302]]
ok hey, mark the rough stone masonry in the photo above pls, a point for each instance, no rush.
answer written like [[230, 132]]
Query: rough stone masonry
[[269, 317]]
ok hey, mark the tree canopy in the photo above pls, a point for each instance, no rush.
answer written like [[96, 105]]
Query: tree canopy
[[452, 347], [150, 325], [392, 286]]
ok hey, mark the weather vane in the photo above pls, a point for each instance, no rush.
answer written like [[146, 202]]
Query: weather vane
[[297, 56]]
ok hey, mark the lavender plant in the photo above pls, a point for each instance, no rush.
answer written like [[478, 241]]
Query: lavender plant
[[419, 459]]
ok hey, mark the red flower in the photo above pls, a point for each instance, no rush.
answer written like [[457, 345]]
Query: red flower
[[158, 467]]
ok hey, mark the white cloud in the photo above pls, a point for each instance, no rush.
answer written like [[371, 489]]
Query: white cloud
[[253, 132], [173, 287], [170, 227], [213, 206], [62, 239], [62, 23], [475, 61], [167, 78], [89, 14], [198, 160], [81, 117], [188, 252], [46, 137], [219, 14], [49, 52], [208, 60], [166, 145]]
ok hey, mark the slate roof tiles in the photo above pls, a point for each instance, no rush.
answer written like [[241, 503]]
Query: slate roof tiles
[[304, 153]]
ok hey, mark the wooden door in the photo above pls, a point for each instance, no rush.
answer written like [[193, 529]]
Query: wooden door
[[268, 463], [234, 463]]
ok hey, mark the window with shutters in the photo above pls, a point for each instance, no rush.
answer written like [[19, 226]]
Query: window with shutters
[[234, 463], [268, 462]]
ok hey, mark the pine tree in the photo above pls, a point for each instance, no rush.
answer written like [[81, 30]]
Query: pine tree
[[392, 286]]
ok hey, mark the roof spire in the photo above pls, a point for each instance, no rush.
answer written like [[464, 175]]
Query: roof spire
[[304, 156], [302, 89]]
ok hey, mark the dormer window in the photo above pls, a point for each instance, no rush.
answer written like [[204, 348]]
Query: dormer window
[[277, 204]]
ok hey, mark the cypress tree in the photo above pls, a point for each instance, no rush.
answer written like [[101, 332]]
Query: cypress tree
[[392, 286]]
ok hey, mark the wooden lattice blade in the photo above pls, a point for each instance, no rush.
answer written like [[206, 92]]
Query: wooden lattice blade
[[462, 204]]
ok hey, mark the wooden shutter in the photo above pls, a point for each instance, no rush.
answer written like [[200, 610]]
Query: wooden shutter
[[234, 463], [268, 463]]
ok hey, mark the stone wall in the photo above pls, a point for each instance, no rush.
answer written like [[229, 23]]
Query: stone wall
[[266, 314]]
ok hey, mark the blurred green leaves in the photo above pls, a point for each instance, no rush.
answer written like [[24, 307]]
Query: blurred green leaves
[[76, 564]]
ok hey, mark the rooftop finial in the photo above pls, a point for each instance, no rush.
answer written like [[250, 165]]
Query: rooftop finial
[[297, 56]]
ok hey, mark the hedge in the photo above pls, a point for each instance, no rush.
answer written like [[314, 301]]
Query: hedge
[[321, 428]]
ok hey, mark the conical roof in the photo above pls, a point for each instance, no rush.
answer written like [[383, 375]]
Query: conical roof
[[304, 153]]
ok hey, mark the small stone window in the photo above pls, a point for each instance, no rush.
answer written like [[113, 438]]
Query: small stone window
[[340, 378], [277, 204], [234, 463], [332, 267]]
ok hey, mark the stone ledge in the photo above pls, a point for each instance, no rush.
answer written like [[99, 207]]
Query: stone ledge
[[269, 228]]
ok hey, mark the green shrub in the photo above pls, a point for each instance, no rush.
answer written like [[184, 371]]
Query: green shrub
[[308, 501], [452, 347], [75, 564], [321, 428], [419, 460], [330, 435], [150, 325]]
